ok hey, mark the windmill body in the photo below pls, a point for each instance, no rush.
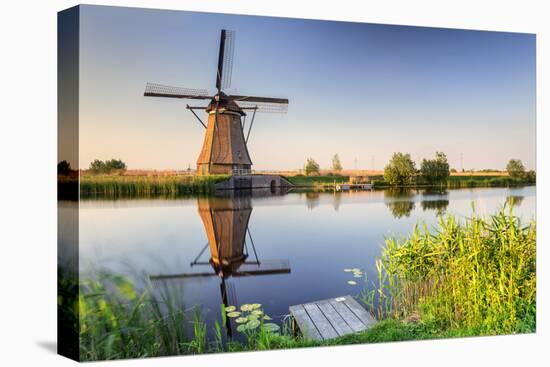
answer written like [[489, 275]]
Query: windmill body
[[224, 149]]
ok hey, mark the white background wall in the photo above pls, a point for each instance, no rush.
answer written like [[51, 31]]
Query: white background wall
[[28, 180]]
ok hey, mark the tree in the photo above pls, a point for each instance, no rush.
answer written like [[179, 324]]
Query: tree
[[110, 166], [515, 168], [400, 170], [311, 167], [97, 166], [435, 170], [63, 168], [336, 164], [115, 165]]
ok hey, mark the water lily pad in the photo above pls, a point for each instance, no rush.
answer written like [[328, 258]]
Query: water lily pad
[[230, 308], [257, 312], [241, 320], [242, 328], [267, 317], [256, 306], [358, 275], [252, 324], [351, 282], [271, 327], [355, 270], [348, 270], [234, 314], [246, 307]]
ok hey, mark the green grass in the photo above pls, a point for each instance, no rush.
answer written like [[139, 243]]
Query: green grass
[[301, 180], [145, 186], [451, 183]]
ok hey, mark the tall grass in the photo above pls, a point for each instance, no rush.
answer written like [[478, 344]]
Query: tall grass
[[478, 275], [116, 321], [130, 186]]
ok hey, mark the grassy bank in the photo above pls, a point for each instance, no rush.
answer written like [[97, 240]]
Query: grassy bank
[[453, 182], [129, 186], [462, 278]]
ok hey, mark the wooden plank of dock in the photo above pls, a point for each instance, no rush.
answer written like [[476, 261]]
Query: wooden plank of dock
[[331, 318]]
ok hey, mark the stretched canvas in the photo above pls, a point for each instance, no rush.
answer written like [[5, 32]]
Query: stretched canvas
[[242, 183]]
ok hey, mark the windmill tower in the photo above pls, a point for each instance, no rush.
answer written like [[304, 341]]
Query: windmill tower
[[224, 149]]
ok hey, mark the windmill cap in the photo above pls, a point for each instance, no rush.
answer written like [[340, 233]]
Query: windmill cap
[[223, 103]]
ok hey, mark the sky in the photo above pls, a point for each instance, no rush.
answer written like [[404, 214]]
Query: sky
[[363, 91]]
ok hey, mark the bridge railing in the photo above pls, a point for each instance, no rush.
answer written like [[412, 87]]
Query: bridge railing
[[241, 171]]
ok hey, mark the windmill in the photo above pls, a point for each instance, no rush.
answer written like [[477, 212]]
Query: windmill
[[232, 249], [224, 149]]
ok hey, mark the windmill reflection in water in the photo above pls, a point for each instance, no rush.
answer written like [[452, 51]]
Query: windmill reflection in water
[[232, 249]]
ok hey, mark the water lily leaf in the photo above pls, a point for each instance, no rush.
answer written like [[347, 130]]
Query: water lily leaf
[[230, 308], [348, 270], [234, 314], [255, 306], [241, 320], [267, 317], [351, 282], [358, 276], [242, 328], [271, 327], [252, 324], [246, 307], [257, 312], [355, 270]]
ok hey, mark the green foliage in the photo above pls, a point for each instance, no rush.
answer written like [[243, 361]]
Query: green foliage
[[435, 171], [336, 164], [478, 275], [311, 167], [515, 168], [400, 170], [107, 167]]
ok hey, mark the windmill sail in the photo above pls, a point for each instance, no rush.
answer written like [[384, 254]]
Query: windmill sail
[[160, 90], [225, 60]]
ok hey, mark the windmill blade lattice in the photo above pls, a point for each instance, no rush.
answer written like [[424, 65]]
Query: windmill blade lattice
[[228, 53], [264, 107], [160, 90]]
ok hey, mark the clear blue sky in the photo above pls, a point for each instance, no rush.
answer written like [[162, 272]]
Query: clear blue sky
[[363, 91]]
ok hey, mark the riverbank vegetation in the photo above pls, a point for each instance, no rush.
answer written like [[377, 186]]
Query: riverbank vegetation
[[131, 186], [462, 278]]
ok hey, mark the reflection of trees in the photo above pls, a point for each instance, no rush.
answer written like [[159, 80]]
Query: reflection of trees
[[400, 201], [401, 208], [438, 205], [435, 199], [514, 200], [399, 192], [312, 199]]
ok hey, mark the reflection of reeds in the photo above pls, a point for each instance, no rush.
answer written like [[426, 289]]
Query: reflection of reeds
[[129, 186], [477, 275]]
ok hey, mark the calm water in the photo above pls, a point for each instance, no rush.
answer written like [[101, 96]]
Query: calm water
[[302, 241]]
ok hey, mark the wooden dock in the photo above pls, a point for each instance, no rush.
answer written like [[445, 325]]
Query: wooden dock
[[331, 318], [356, 186]]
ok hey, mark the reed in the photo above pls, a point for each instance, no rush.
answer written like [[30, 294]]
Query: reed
[[145, 186], [477, 275]]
